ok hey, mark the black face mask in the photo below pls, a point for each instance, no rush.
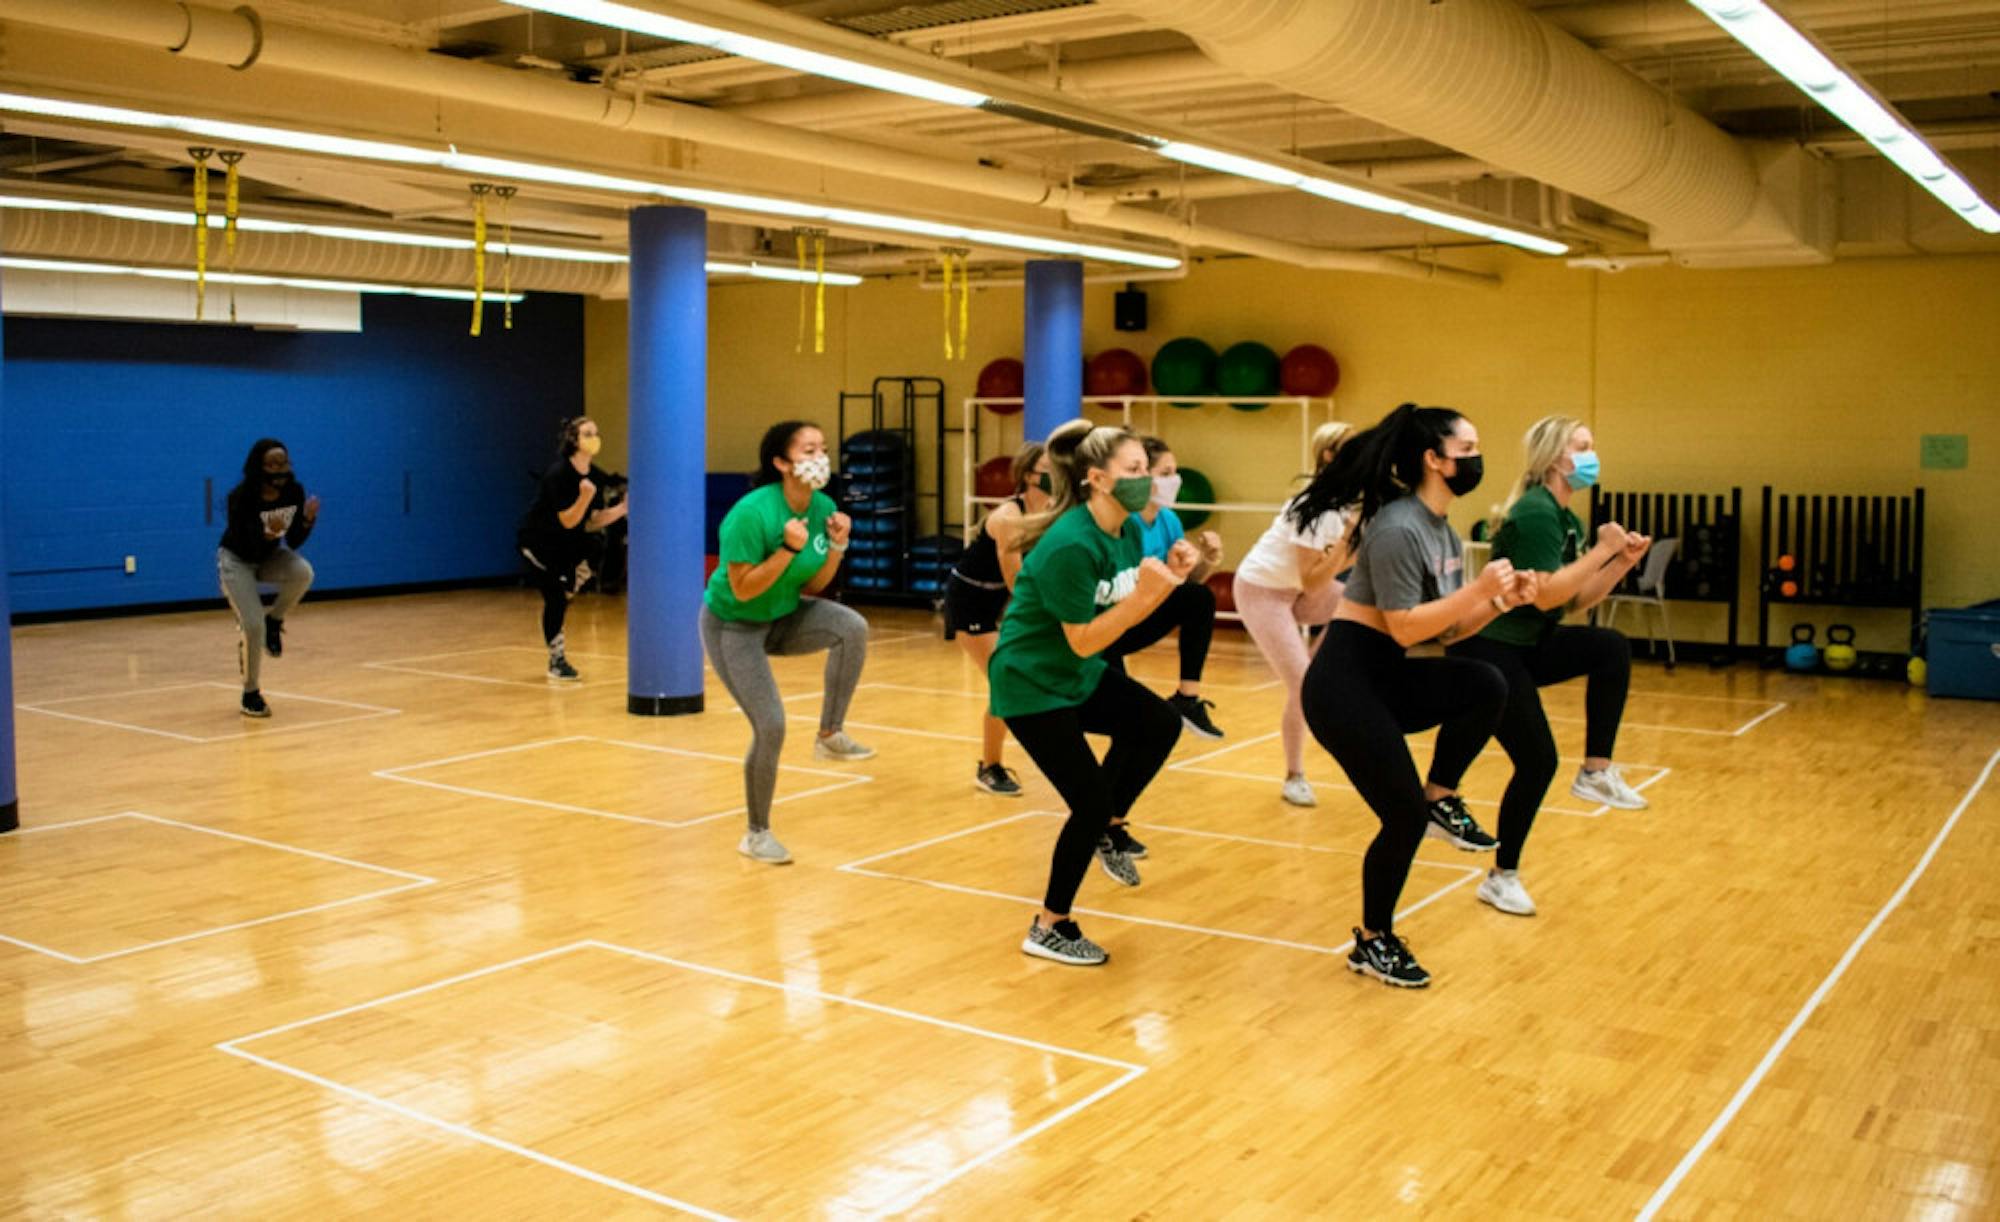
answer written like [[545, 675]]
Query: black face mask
[[1471, 469], [277, 479]]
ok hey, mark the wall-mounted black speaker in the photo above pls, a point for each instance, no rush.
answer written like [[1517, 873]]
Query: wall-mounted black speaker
[[1128, 310]]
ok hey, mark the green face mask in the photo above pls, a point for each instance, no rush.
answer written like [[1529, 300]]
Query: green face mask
[[1135, 493]]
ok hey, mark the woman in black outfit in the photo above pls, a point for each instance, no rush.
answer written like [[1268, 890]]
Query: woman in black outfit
[[1363, 692], [555, 534], [269, 518], [975, 596]]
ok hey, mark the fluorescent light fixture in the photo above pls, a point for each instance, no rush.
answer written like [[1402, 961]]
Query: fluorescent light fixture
[[345, 233], [1792, 53], [784, 55], [1376, 202], [477, 166], [1229, 163], [310, 284], [765, 271]]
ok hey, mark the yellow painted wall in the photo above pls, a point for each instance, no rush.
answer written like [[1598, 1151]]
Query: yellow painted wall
[[1814, 379]]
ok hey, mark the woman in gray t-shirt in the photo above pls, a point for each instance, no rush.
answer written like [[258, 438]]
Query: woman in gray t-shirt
[[1363, 693]]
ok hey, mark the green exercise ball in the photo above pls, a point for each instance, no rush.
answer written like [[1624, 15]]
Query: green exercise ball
[[1248, 368], [1184, 366], [1194, 487]]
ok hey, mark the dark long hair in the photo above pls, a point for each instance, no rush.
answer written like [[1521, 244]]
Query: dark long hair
[[566, 439], [1375, 466], [777, 443], [253, 463]]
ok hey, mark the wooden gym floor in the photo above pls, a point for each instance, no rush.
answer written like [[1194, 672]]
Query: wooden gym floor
[[440, 941]]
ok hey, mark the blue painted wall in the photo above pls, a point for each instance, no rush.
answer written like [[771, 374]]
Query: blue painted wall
[[112, 428]]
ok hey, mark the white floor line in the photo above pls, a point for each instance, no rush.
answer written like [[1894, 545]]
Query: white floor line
[[412, 882], [1820, 994], [1752, 724], [846, 782], [474, 755], [1192, 760], [887, 729], [1673, 695], [262, 731], [924, 844], [1128, 1073], [1641, 725], [1345, 787], [535, 684]]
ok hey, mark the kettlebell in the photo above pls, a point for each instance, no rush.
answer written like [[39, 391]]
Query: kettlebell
[[1840, 653], [1917, 671], [1802, 654]]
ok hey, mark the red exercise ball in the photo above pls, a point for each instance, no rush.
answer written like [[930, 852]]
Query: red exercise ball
[[1114, 372], [994, 477], [1308, 370], [1003, 378], [1222, 583]]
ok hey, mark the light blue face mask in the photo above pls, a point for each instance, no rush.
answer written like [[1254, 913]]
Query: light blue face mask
[[1586, 469]]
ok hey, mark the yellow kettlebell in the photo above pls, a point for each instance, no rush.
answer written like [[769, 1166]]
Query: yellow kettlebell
[[1840, 653], [1917, 671]]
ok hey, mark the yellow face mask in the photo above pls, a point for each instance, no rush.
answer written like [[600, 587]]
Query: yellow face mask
[[590, 444]]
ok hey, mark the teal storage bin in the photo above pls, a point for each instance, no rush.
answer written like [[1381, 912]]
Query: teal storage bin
[[1963, 652]]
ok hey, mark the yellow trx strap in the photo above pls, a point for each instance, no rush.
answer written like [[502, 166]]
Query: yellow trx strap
[[201, 156]]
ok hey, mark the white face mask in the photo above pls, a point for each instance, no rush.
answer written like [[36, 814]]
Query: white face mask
[[813, 472], [1166, 488]]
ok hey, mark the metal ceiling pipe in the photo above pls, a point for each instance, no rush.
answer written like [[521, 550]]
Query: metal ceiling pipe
[[165, 24]]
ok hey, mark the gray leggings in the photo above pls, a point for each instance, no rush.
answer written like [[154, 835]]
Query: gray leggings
[[283, 568], [740, 652]]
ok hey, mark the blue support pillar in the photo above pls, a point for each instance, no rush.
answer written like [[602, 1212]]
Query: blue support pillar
[[669, 447], [1052, 345], [10, 794]]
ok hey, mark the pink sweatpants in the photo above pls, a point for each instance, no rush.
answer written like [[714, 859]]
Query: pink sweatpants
[[1274, 618]]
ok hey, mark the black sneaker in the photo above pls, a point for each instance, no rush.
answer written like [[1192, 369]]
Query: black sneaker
[[1124, 841], [995, 779], [254, 706], [1386, 958], [560, 671], [274, 636], [1116, 862], [1064, 943], [1451, 821], [1194, 714]]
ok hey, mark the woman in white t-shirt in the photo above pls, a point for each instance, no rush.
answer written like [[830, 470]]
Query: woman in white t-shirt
[[1287, 582]]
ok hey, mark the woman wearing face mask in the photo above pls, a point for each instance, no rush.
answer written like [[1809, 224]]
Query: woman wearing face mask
[[1287, 582], [1084, 583], [1364, 692], [1191, 607], [1533, 649], [976, 595], [781, 544], [269, 517], [555, 534]]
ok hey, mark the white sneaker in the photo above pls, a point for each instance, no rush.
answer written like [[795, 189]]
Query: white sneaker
[[1503, 890], [1606, 787], [1299, 792], [838, 746], [763, 846]]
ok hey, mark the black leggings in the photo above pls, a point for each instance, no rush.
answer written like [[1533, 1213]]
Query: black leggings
[[554, 578], [1361, 695], [1190, 608], [1143, 729], [1601, 653]]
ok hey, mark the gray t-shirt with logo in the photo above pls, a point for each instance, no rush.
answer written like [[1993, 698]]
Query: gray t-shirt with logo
[[1409, 556]]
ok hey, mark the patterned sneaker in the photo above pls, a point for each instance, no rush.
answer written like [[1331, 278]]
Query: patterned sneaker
[[1607, 787], [1116, 862], [1451, 821], [274, 636], [1298, 791], [1063, 942], [838, 746], [1386, 958], [1194, 714], [560, 671], [1124, 841], [1503, 890], [995, 779], [762, 846], [254, 706]]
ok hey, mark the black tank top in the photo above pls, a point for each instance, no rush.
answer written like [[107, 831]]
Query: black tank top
[[980, 564]]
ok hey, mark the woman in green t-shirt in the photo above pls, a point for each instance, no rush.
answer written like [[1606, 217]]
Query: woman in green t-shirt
[[781, 544], [1533, 648], [1084, 584]]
